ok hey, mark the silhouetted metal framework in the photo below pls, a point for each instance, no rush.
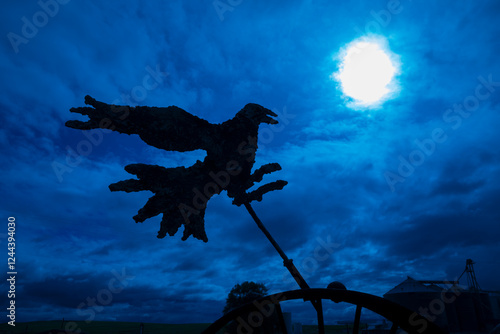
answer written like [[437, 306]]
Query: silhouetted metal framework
[[471, 276], [401, 317]]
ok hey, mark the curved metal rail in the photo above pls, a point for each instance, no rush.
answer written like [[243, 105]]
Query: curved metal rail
[[400, 316]]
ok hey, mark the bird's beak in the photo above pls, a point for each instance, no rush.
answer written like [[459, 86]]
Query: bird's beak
[[258, 114], [266, 116]]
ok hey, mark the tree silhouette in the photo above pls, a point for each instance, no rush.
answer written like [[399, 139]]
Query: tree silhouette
[[245, 293]]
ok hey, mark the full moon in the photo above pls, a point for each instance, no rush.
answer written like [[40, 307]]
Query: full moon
[[366, 72]]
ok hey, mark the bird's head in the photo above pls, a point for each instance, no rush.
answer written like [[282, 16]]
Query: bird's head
[[257, 114]]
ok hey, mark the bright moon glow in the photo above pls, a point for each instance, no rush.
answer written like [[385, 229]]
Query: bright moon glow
[[366, 72]]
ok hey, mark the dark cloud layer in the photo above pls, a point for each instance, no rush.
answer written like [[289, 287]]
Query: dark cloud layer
[[340, 217]]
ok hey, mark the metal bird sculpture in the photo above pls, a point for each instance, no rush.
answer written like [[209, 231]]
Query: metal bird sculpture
[[181, 194]]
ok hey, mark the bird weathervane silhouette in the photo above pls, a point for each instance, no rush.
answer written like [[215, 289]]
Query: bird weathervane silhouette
[[181, 194]]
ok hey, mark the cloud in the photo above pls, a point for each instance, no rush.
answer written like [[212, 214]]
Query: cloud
[[74, 231]]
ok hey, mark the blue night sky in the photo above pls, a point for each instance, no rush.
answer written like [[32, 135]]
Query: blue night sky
[[410, 186]]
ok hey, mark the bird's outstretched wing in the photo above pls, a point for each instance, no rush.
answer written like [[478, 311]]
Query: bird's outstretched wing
[[169, 128], [173, 196]]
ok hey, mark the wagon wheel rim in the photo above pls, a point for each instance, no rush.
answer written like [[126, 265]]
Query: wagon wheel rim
[[400, 316]]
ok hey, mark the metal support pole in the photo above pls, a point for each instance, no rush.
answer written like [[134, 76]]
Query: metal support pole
[[357, 320], [288, 263]]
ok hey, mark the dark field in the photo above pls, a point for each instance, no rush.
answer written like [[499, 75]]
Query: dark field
[[109, 327], [103, 327]]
